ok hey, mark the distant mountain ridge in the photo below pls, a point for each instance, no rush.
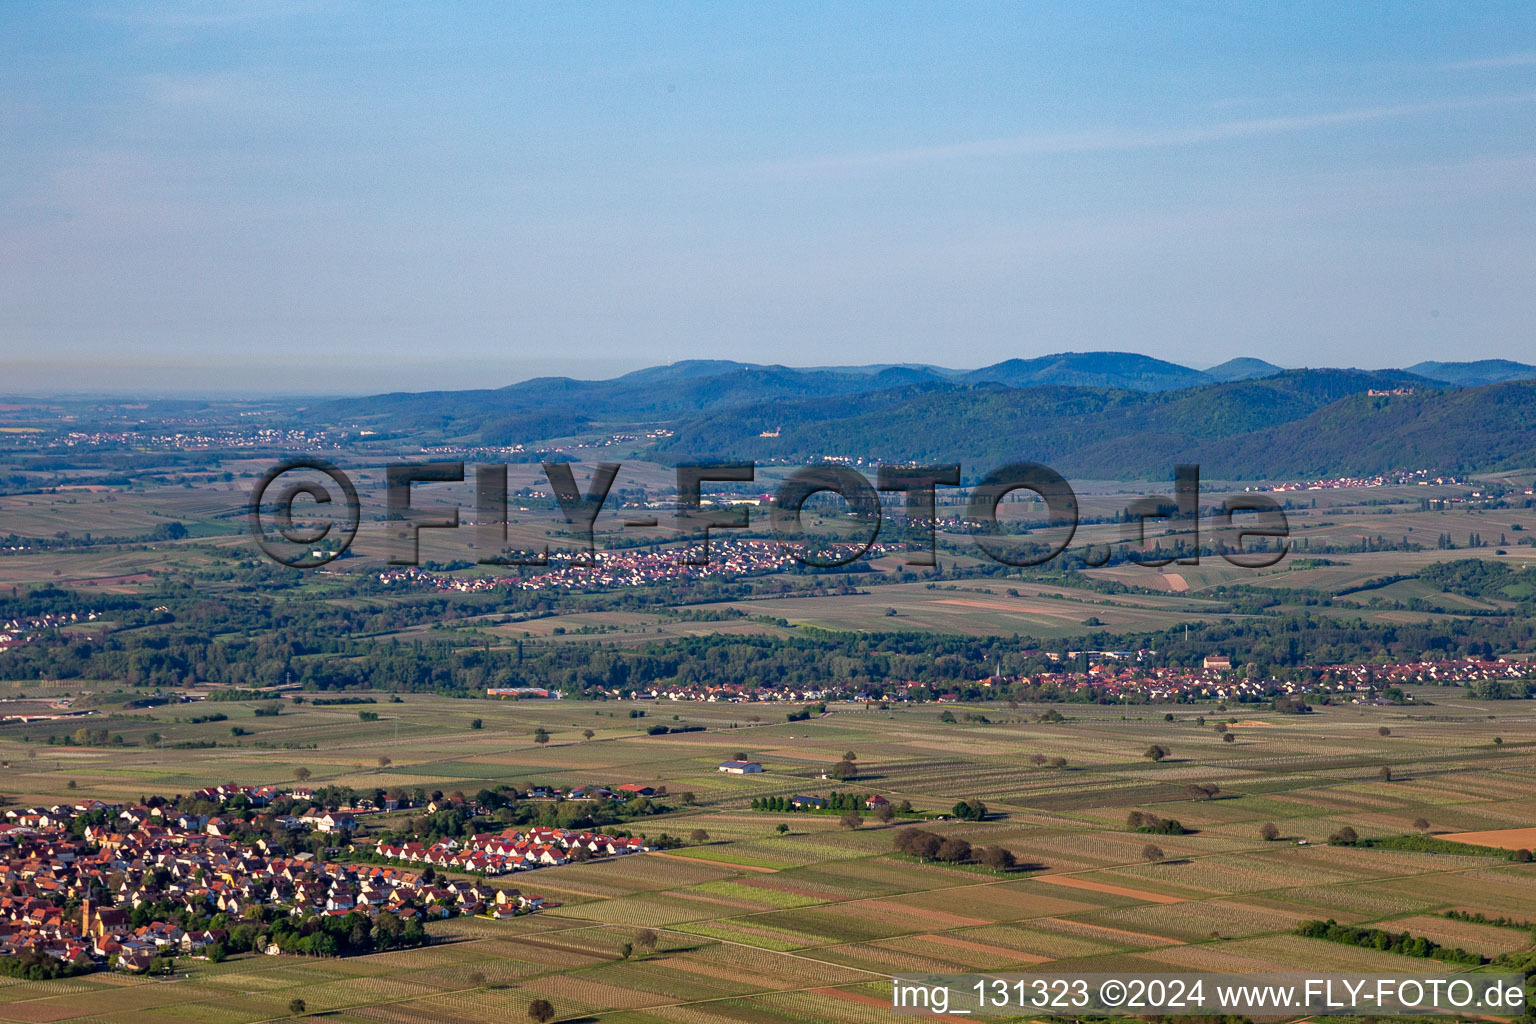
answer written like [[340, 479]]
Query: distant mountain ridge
[[1107, 414], [1090, 370], [1475, 374], [1084, 431], [1243, 368]]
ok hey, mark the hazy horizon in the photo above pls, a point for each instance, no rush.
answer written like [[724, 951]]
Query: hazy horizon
[[310, 197]]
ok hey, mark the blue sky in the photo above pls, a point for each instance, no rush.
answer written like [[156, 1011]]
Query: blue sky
[[328, 197]]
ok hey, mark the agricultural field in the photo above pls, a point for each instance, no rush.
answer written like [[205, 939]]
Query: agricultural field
[[753, 925], [781, 917]]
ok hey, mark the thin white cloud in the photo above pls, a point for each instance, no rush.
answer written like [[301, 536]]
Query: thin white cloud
[[1102, 140]]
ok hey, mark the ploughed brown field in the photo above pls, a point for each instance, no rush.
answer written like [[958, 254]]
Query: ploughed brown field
[[1502, 838]]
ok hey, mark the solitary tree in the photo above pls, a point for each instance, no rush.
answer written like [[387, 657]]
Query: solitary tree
[[885, 814], [1269, 831], [1385, 774], [1345, 836], [698, 835], [645, 938], [296, 1007], [302, 774], [998, 858], [540, 735], [1152, 854], [1156, 752], [1384, 731], [781, 828], [540, 1011], [475, 723], [587, 734], [1229, 737], [852, 819], [385, 762], [1422, 824]]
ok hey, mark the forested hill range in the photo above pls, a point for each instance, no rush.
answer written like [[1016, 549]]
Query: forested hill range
[[1101, 414]]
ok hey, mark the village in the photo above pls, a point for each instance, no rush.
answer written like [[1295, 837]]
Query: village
[[96, 885], [568, 570], [1121, 677]]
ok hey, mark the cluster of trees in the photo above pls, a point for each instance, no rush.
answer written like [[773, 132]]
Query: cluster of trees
[[1387, 942], [65, 539], [1141, 821], [925, 845], [836, 803], [970, 810], [1480, 577], [35, 965], [1476, 917], [1500, 689], [352, 935]]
